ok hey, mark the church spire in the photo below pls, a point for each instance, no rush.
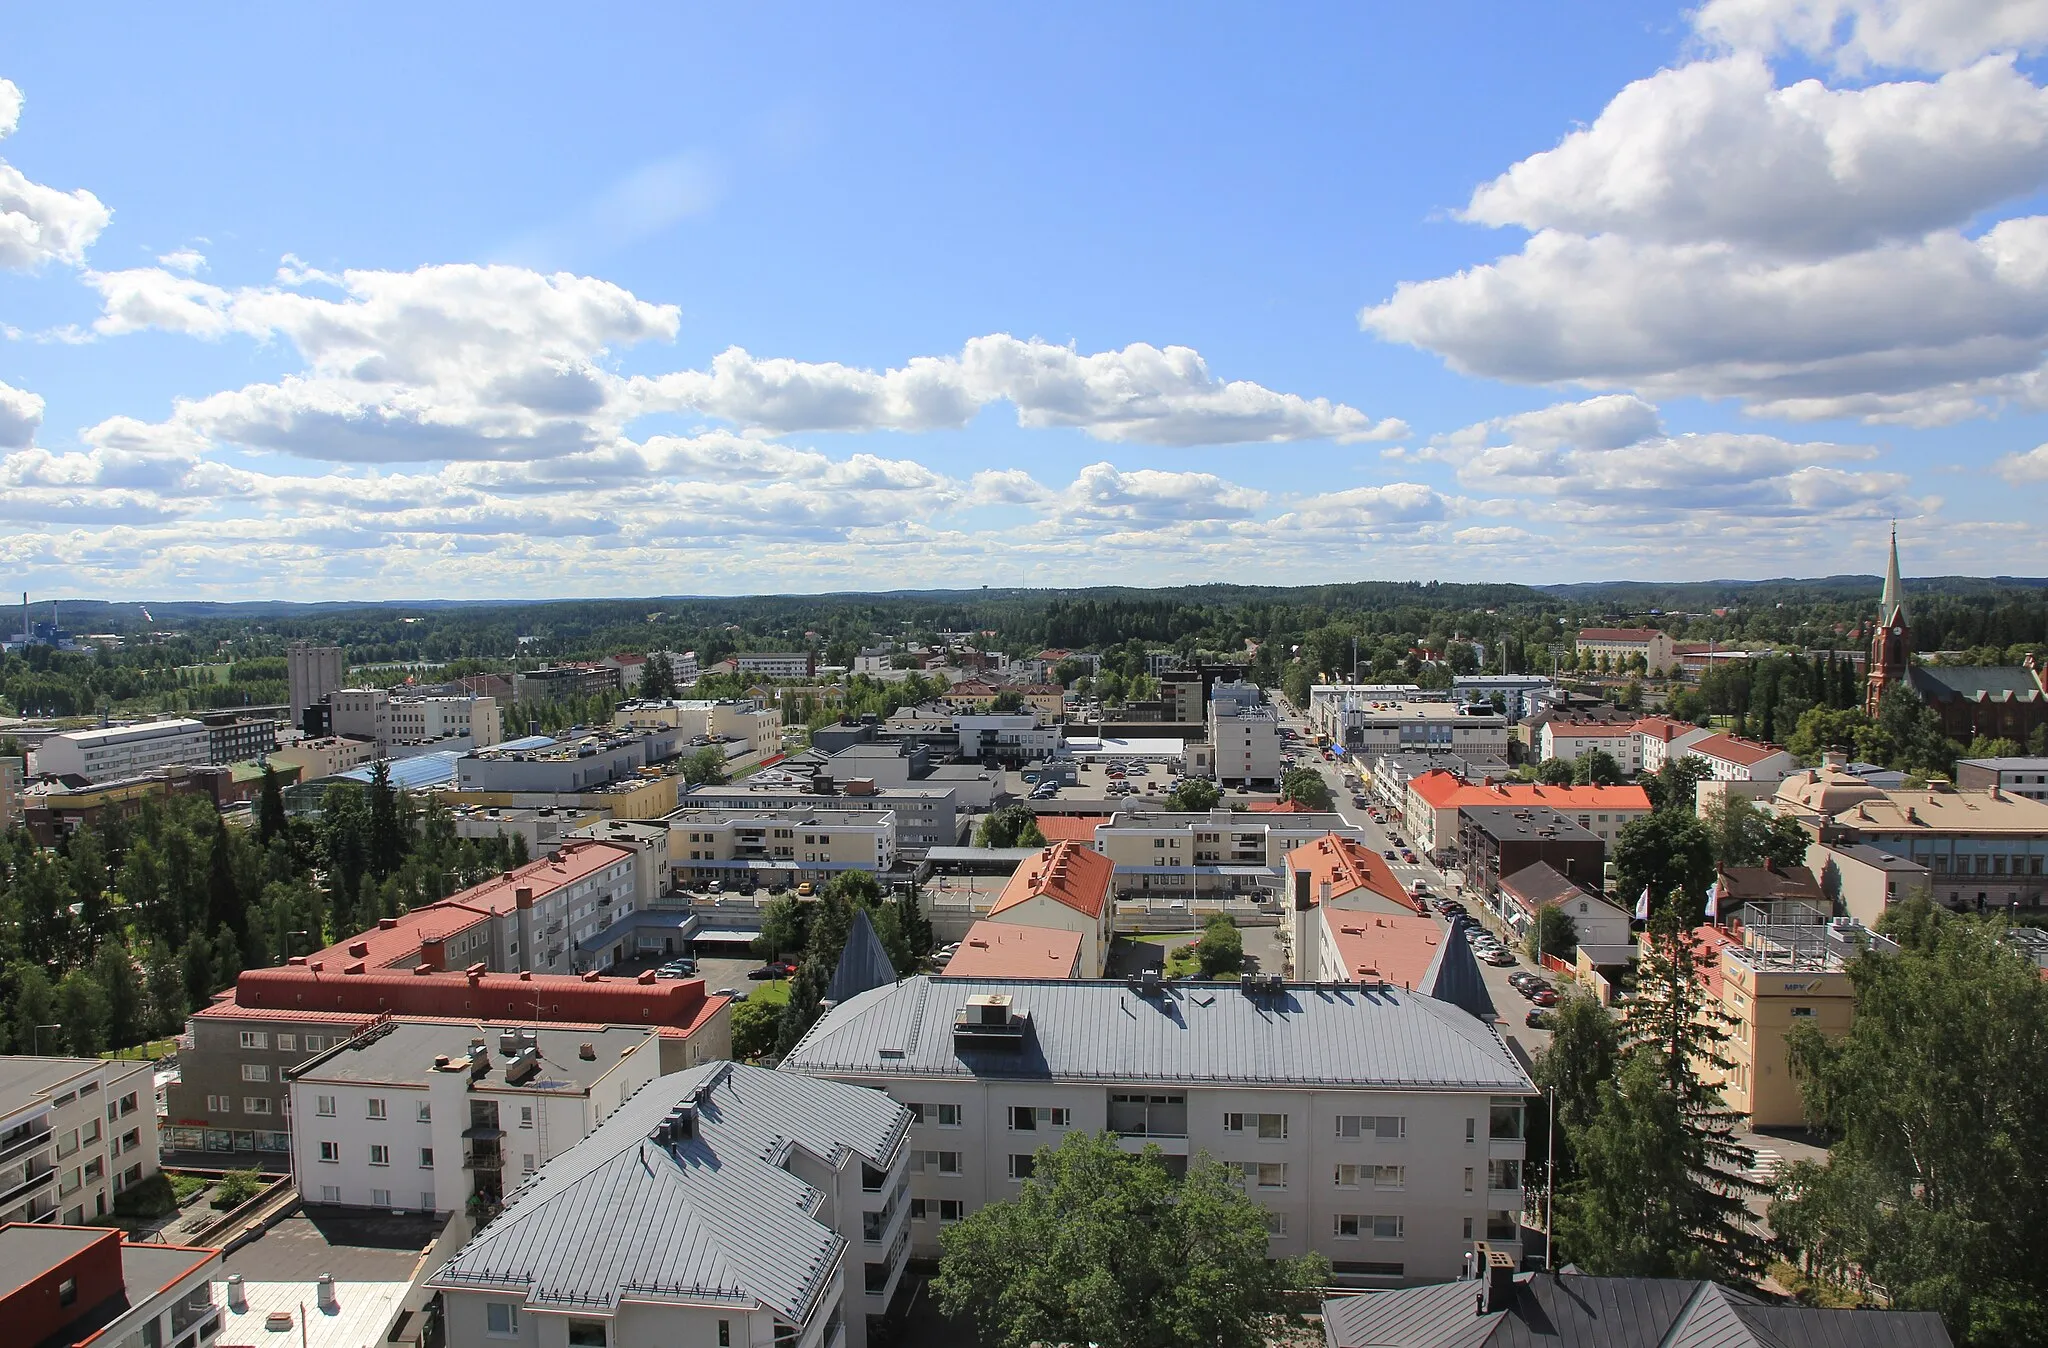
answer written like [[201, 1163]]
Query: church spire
[[1892, 603]]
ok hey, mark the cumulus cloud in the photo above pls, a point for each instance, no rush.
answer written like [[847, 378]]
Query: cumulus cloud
[[1897, 34], [20, 411], [39, 224], [2031, 466]]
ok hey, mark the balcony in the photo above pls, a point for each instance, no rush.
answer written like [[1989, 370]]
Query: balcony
[[39, 1180], [483, 1158], [22, 1146]]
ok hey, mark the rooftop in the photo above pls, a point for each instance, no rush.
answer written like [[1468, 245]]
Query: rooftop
[[403, 1052], [1066, 872], [715, 1217], [24, 1080], [1348, 867], [1444, 791], [1506, 823], [1308, 1034], [1735, 749], [1542, 884], [1070, 828], [1619, 633], [1948, 812], [2006, 764], [120, 734], [680, 1003], [1012, 950]]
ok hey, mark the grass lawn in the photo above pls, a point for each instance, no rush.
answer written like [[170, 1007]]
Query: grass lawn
[[155, 1048], [1167, 937], [771, 992], [183, 1185]]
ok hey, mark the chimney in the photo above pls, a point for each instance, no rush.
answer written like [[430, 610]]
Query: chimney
[[324, 1293], [238, 1296], [1497, 1279]]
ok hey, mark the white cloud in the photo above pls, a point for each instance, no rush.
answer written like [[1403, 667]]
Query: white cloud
[[1713, 151], [1896, 34], [41, 224], [2031, 466], [187, 260], [1362, 509], [21, 412]]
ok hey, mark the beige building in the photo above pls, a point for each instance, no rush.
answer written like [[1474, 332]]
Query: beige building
[[715, 843], [543, 826], [1863, 881], [706, 719], [325, 757], [10, 793], [1184, 854], [1573, 740], [1066, 887], [391, 718], [1620, 644]]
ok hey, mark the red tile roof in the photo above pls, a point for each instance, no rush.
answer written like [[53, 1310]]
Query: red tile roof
[[549, 998], [1449, 792], [1732, 749], [1663, 728], [1277, 807], [1642, 634], [1066, 872], [1070, 828], [1347, 866], [1387, 946], [1012, 950]]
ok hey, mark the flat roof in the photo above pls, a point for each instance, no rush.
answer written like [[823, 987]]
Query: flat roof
[[404, 1054], [1012, 950], [1523, 823], [23, 1079]]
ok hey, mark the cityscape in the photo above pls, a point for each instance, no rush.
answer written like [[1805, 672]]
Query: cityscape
[[835, 805]]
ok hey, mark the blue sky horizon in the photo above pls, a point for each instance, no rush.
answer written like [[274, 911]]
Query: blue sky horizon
[[504, 303]]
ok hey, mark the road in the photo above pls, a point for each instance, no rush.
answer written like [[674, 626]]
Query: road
[[1512, 1005]]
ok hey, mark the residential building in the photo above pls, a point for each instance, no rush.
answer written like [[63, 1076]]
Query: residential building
[[394, 719], [1337, 874], [2017, 776], [1498, 840], [1391, 773], [1659, 739], [1368, 724], [630, 666], [10, 793], [72, 1285], [236, 1053], [996, 949], [1769, 885], [1500, 1308], [1572, 740], [1410, 952], [324, 756], [704, 720], [237, 739], [1188, 854], [765, 1208], [1008, 738], [552, 683], [1067, 887], [779, 664], [442, 1116], [1863, 881], [75, 1134], [926, 816], [311, 673], [566, 766], [648, 840], [1435, 798], [1981, 849], [1766, 980], [1595, 921], [812, 843], [1734, 759], [1244, 739], [1380, 1128], [110, 753], [1519, 694], [1619, 645], [542, 826]]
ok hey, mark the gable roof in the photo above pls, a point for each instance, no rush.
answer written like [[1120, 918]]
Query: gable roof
[[1664, 728], [1065, 872], [1590, 729], [1443, 791], [1348, 866], [1643, 634], [1542, 883], [1078, 828], [1410, 952], [1972, 683], [1734, 749], [863, 964]]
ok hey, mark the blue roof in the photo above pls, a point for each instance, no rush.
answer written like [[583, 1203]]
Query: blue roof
[[435, 769]]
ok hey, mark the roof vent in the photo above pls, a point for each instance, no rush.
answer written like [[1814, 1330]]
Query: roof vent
[[508, 1042], [587, 1052], [989, 1020], [525, 1066]]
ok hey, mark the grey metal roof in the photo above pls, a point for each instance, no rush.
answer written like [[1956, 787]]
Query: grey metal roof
[[1335, 1034], [1569, 1310], [1454, 976], [403, 1053], [716, 1218], [863, 964]]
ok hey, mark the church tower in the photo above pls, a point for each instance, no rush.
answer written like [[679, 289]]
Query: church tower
[[1891, 649]]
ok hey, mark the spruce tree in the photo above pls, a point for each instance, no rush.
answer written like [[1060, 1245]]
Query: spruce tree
[[224, 906], [270, 820]]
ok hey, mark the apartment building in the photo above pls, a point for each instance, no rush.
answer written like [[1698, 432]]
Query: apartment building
[[648, 840], [552, 683], [324, 756], [566, 766], [2026, 777], [779, 664], [1380, 1128], [69, 1286], [542, 826], [767, 1208], [434, 1116], [1863, 881], [1012, 738], [1619, 645], [1244, 741], [1369, 724], [1573, 740], [311, 673], [705, 719], [926, 816], [1190, 853], [75, 1133], [114, 752], [10, 793], [237, 739], [1660, 739], [1065, 887], [997, 949], [397, 719], [1499, 840], [706, 844], [1734, 759], [1435, 798], [1519, 694]]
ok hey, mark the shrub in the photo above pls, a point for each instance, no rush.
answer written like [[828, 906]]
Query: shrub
[[236, 1188], [1221, 949], [153, 1197]]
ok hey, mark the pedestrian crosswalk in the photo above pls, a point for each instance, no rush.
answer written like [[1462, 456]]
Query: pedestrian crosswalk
[[1766, 1166]]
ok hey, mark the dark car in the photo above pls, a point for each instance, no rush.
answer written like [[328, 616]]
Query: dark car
[[1388, 855], [768, 971], [1539, 1019]]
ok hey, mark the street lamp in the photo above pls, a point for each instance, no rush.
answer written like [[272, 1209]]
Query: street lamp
[[39, 1036], [285, 954]]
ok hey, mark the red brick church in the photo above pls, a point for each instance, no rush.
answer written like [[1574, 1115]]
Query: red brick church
[[1994, 701]]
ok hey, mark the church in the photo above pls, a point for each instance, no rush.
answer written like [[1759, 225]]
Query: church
[[1992, 701]]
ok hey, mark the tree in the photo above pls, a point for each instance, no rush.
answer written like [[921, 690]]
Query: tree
[[657, 677], [224, 906], [1010, 826], [1553, 933], [1221, 949], [82, 1007], [753, 1028], [121, 986], [1596, 767], [706, 767], [1676, 785], [1822, 730], [1939, 1110], [916, 927], [1305, 786], [270, 818], [1585, 1047], [1104, 1247], [1664, 852], [164, 983], [1008, 700], [1194, 793], [1556, 772], [389, 839], [785, 927], [34, 1003]]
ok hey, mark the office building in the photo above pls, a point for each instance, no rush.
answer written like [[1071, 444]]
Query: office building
[[69, 1286], [727, 1205], [312, 672], [552, 683], [430, 1115], [703, 720], [1517, 695], [1244, 738], [565, 766], [2026, 777], [75, 1133], [541, 826], [396, 719], [111, 753], [1368, 724], [237, 739], [779, 664], [1380, 1128], [926, 816]]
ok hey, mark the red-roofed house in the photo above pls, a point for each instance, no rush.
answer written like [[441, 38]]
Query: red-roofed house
[[1066, 886], [1357, 947], [1621, 643], [1659, 739], [1734, 759], [1342, 874], [1434, 799], [1013, 950], [1078, 828]]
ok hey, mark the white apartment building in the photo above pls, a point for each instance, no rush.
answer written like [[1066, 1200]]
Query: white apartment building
[[1380, 1128], [802, 844], [724, 1205], [1521, 693], [401, 719], [1659, 739], [426, 1115], [1573, 740], [112, 752], [74, 1134], [1244, 741], [1369, 724], [1188, 853], [1733, 759], [926, 816], [778, 664], [648, 840], [704, 719]]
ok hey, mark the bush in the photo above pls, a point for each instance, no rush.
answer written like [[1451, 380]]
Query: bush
[[1221, 949], [153, 1197], [187, 1187], [236, 1188], [1183, 961]]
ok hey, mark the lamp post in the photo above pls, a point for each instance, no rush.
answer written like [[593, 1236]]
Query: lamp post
[[285, 953], [38, 1036], [1550, 1185]]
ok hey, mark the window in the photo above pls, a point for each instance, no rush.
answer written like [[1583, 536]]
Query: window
[[586, 1334], [1388, 1228], [725, 1334], [379, 1154], [526, 1162], [92, 1132], [1276, 1224], [287, 1043], [330, 1152], [220, 1104], [255, 1071], [376, 1105], [1269, 1127], [426, 1112], [323, 1105], [1385, 1127], [1025, 1118], [255, 1039], [940, 1162], [255, 1104], [314, 1043], [917, 1210], [1468, 1228], [1348, 1175], [1503, 1174], [380, 1198], [946, 1116], [1264, 1174], [1138, 1114], [502, 1318], [67, 1292], [1468, 1179], [1471, 1131], [1023, 1167], [330, 1193], [1505, 1118], [1802, 1013], [526, 1116], [426, 1158], [1346, 1226], [1390, 1177]]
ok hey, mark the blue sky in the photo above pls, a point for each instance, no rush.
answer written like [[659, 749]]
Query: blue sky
[[503, 302]]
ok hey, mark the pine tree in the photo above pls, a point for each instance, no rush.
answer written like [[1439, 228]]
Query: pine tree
[[164, 980], [387, 830], [115, 973], [270, 820], [224, 906]]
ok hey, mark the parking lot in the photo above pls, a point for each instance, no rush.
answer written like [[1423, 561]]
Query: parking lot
[[1094, 782]]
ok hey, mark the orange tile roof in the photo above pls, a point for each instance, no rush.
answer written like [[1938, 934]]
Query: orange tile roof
[[1347, 865], [1731, 749], [1012, 950], [1663, 728], [1618, 633], [1065, 872], [1078, 828], [1391, 946], [1443, 791], [1277, 807]]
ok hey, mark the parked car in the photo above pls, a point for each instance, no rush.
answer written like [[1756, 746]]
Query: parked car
[[1544, 997], [733, 993], [1388, 855], [715, 887], [683, 968], [777, 969], [1499, 957], [1540, 1019], [805, 889]]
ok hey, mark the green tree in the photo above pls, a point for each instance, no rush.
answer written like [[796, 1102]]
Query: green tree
[[224, 904], [1938, 1176], [1596, 767], [1664, 852], [657, 677], [121, 986], [705, 767], [1579, 1065], [1194, 793], [1104, 1247], [1221, 949], [1556, 772], [270, 817], [785, 927], [1009, 826], [1553, 933], [34, 1003], [1823, 729], [164, 984], [1305, 786], [1675, 786], [82, 1007], [753, 1029], [389, 838], [916, 927]]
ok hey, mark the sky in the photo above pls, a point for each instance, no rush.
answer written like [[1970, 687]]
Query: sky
[[513, 301]]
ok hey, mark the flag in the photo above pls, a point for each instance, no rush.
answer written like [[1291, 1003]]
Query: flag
[[1714, 902], [1643, 906]]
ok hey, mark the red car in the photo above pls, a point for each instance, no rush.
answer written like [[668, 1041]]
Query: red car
[[1544, 997]]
